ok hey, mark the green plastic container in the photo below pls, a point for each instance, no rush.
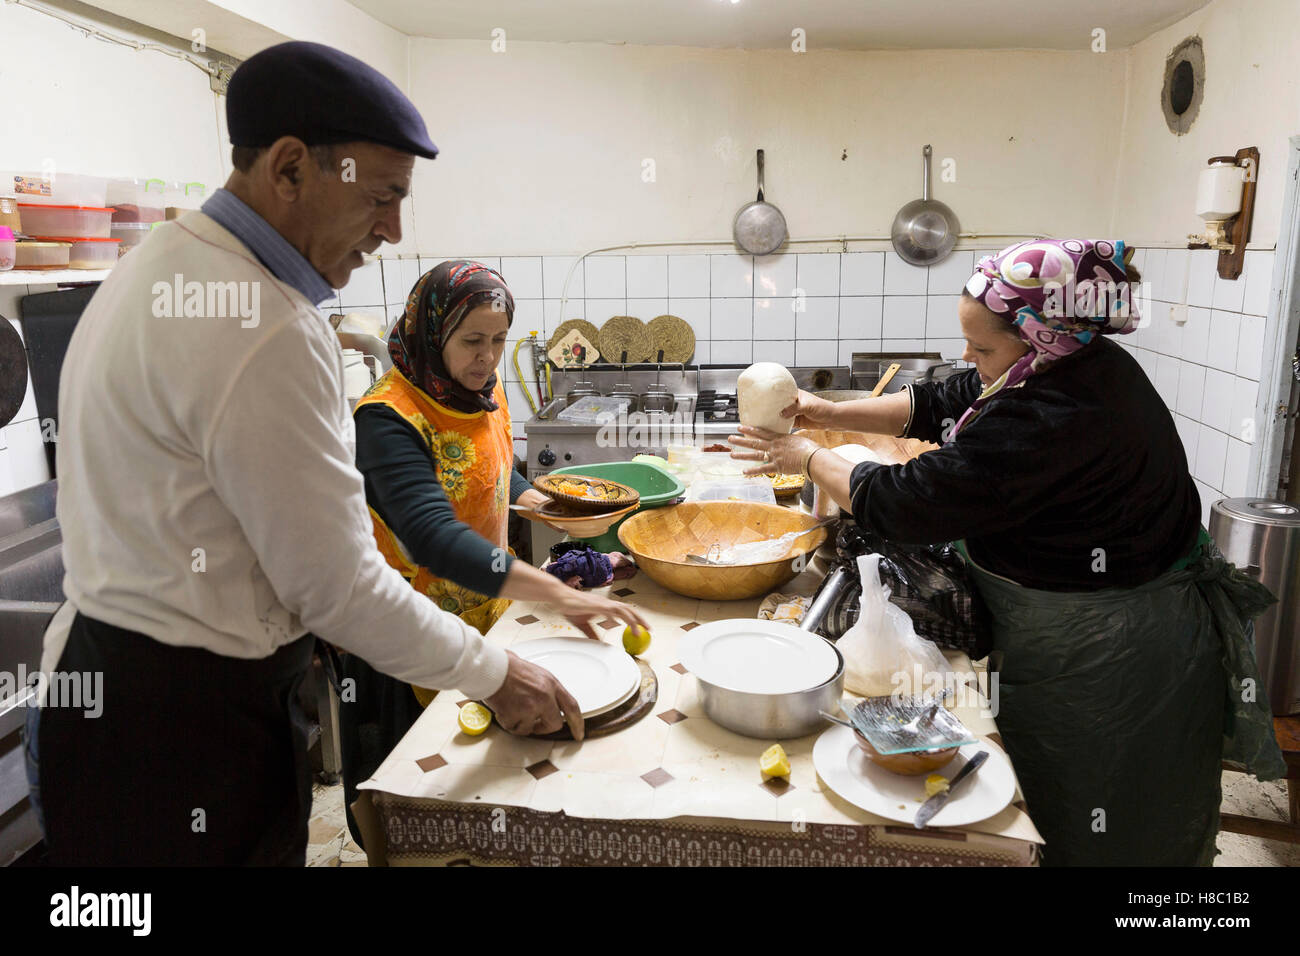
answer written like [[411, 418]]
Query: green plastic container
[[655, 486]]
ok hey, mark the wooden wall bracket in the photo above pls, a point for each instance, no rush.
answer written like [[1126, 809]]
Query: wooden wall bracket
[[1230, 263]]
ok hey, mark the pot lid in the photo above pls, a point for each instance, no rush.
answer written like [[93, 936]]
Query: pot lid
[[1260, 511]]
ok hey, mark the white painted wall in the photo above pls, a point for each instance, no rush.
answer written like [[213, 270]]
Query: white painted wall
[[543, 144], [1252, 98], [103, 109]]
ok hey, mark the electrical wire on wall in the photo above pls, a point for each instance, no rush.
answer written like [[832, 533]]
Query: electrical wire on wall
[[215, 65]]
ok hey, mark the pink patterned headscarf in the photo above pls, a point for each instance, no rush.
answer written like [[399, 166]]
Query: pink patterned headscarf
[[1058, 293]]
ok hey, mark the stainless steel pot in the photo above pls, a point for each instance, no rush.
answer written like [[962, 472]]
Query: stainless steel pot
[[628, 392], [1262, 538], [657, 400], [774, 716], [580, 390]]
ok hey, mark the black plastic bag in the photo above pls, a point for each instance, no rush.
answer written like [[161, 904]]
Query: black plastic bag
[[930, 582]]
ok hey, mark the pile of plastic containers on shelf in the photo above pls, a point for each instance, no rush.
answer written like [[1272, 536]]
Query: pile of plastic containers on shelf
[[73, 221], [63, 221]]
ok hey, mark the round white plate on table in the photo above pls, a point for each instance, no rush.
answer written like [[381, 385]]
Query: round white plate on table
[[600, 676], [757, 657], [845, 769]]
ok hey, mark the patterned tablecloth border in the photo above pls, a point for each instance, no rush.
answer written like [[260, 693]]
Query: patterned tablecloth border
[[438, 833]]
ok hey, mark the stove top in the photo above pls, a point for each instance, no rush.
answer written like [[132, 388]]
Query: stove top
[[713, 406]]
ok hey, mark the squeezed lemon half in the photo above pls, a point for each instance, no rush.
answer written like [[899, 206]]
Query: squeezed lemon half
[[935, 783], [636, 640], [474, 718], [774, 762]]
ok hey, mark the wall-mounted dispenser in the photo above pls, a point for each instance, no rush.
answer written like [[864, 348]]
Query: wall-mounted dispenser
[[1225, 200]]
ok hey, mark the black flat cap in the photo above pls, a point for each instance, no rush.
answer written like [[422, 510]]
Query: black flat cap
[[322, 96]]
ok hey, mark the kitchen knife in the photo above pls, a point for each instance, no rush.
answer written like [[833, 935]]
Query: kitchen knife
[[935, 803]]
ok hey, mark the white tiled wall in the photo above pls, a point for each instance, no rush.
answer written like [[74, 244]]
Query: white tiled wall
[[743, 310], [1208, 368], [22, 452], [796, 308]]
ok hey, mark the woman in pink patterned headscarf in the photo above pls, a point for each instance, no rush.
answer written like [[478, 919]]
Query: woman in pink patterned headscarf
[[1120, 635], [1054, 295]]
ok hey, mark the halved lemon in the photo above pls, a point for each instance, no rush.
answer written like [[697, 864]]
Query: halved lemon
[[636, 640], [474, 718], [935, 783], [774, 762]]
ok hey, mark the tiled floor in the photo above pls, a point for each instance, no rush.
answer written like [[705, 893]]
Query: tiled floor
[[330, 844], [328, 841]]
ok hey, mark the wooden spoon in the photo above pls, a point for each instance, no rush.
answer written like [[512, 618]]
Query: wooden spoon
[[884, 379]]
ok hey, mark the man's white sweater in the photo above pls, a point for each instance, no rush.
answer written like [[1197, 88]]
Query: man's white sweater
[[208, 495]]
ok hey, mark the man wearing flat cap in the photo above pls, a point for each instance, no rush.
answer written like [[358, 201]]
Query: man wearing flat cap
[[212, 517]]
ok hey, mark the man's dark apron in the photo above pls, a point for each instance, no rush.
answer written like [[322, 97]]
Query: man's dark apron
[[196, 758]]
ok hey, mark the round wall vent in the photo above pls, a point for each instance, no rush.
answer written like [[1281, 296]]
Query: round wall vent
[[1180, 99]]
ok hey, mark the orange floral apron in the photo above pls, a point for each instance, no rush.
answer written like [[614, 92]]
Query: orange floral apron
[[473, 453]]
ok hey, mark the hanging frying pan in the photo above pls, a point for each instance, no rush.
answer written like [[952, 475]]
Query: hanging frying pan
[[13, 372], [925, 230], [759, 228]]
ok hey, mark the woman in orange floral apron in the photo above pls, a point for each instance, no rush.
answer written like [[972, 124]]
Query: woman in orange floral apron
[[436, 451]]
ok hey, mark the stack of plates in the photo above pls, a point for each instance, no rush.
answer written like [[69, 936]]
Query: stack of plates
[[600, 676], [758, 657]]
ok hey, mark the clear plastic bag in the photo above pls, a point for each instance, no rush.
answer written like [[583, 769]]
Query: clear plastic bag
[[754, 552], [882, 652]]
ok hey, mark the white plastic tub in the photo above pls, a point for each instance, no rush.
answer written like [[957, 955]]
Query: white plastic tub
[[92, 253], [131, 234], [58, 188], [57, 221], [42, 255], [136, 200]]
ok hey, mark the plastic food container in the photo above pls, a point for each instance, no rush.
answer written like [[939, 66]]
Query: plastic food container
[[42, 255], [184, 195], [136, 200], [732, 489], [27, 187], [9, 216], [88, 253], [8, 249], [68, 189], [131, 234], [56, 221]]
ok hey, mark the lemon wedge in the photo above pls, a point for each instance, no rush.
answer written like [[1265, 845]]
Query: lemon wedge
[[774, 762], [935, 783], [474, 718], [636, 640]]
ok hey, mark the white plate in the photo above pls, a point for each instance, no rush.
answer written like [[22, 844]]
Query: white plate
[[757, 657], [600, 676], [845, 769]]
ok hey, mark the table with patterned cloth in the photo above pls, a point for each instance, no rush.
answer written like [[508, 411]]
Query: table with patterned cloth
[[672, 789]]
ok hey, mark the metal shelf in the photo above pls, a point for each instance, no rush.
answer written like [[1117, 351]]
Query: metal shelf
[[52, 276]]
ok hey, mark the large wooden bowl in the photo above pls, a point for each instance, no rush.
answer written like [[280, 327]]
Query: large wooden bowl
[[661, 539], [894, 451]]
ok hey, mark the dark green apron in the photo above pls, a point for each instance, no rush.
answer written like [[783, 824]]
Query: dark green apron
[[1117, 707]]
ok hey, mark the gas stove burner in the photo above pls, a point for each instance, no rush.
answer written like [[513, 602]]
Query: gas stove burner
[[712, 406]]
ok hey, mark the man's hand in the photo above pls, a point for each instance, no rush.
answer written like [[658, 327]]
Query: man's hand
[[532, 701]]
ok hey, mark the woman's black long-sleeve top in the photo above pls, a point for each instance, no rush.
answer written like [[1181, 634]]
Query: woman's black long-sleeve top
[[1074, 481]]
